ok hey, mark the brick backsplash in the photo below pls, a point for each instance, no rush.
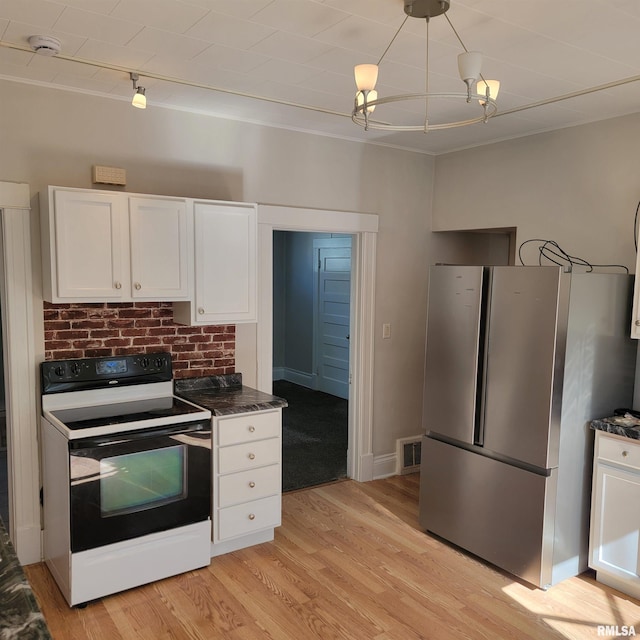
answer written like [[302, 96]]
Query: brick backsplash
[[111, 329]]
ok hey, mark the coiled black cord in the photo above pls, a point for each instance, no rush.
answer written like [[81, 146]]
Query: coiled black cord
[[553, 252]]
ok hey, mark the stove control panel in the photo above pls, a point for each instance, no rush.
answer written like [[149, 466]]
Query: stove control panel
[[94, 373]]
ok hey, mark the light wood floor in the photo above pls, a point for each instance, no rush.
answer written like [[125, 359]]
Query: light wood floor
[[348, 562]]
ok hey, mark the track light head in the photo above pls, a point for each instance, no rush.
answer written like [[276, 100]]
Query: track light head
[[139, 97]]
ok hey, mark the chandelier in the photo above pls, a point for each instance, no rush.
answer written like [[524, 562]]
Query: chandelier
[[469, 65]]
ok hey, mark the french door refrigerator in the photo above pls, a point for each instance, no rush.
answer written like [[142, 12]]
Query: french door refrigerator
[[518, 361]]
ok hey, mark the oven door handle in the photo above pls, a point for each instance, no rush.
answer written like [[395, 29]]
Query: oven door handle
[[142, 434]]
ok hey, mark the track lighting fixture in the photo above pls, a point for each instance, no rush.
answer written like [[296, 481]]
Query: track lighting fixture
[[139, 97]]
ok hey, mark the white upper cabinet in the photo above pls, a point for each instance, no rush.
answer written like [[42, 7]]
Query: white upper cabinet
[[100, 246], [159, 233], [86, 238], [225, 236]]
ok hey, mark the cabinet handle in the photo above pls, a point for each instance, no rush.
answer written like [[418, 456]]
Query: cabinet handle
[[625, 454], [252, 456], [252, 429], [252, 516], [138, 286], [117, 285], [637, 323], [252, 484], [201, 311]]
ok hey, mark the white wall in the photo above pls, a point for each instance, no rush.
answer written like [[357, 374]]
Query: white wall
[[577, 186], [54, 137]]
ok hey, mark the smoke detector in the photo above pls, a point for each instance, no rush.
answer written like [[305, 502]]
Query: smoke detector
[[45, 45]]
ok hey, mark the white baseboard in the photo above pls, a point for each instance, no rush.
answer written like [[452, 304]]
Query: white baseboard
[[384, 466], [29, 544]]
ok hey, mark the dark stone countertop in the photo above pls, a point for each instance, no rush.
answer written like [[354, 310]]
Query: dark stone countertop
[[225, 395], [20, 615], [626, 426]]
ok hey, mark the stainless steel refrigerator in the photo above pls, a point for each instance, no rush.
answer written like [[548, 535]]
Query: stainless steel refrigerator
[[518, 361]]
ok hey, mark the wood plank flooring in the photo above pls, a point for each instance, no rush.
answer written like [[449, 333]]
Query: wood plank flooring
[[349, 562]]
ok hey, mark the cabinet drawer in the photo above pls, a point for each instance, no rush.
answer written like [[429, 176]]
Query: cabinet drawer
[[622, 451], [249, 455], [246, 518], [248, 427], [253, 484]]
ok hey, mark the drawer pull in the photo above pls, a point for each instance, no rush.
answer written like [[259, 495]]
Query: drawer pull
[[252, 516], [201, 311], [625, 454], [138, 286], [117, 285], [252, 428], [252, 485], [252, 456]]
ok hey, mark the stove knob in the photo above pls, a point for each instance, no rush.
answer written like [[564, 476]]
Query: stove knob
[[144, 363], [159, 363], [59, 370], [75, 368]]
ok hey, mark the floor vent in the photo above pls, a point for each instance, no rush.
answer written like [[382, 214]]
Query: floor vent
[[408, 454]]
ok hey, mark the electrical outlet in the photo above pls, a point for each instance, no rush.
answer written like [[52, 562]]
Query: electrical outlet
[[386, 331]]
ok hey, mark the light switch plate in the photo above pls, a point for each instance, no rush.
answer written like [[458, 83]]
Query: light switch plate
[[109, 175]]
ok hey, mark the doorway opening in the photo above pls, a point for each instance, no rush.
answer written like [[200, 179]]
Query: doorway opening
[[311, 353]]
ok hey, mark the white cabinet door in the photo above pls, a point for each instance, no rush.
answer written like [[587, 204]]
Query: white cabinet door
[[615, 531], [89, 232], [225, 263], [159, 248], [635, 314]]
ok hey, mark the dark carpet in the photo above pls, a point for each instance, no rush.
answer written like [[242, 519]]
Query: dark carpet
[[315, 429]]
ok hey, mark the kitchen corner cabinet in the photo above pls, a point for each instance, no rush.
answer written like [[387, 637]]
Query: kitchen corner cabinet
[[101, 246], [614, 545], [225, 265], [247, 479]]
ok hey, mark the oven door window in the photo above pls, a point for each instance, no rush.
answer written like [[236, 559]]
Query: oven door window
[[133, 486], [143, 480]]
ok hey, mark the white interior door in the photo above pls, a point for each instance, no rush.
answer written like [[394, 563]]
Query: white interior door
[[332, 317]]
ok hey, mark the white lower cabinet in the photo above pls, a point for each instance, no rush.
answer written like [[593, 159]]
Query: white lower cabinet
[[614, 545], [247, 479]]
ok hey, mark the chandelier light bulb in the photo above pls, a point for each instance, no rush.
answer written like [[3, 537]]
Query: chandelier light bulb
[[366, 76], [371, 97], [494, 89], [469, 66]]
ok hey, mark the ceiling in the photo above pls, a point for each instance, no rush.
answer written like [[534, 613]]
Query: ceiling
[[289, 63]]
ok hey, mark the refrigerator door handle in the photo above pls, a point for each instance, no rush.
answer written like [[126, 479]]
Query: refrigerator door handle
[[483, 359]]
